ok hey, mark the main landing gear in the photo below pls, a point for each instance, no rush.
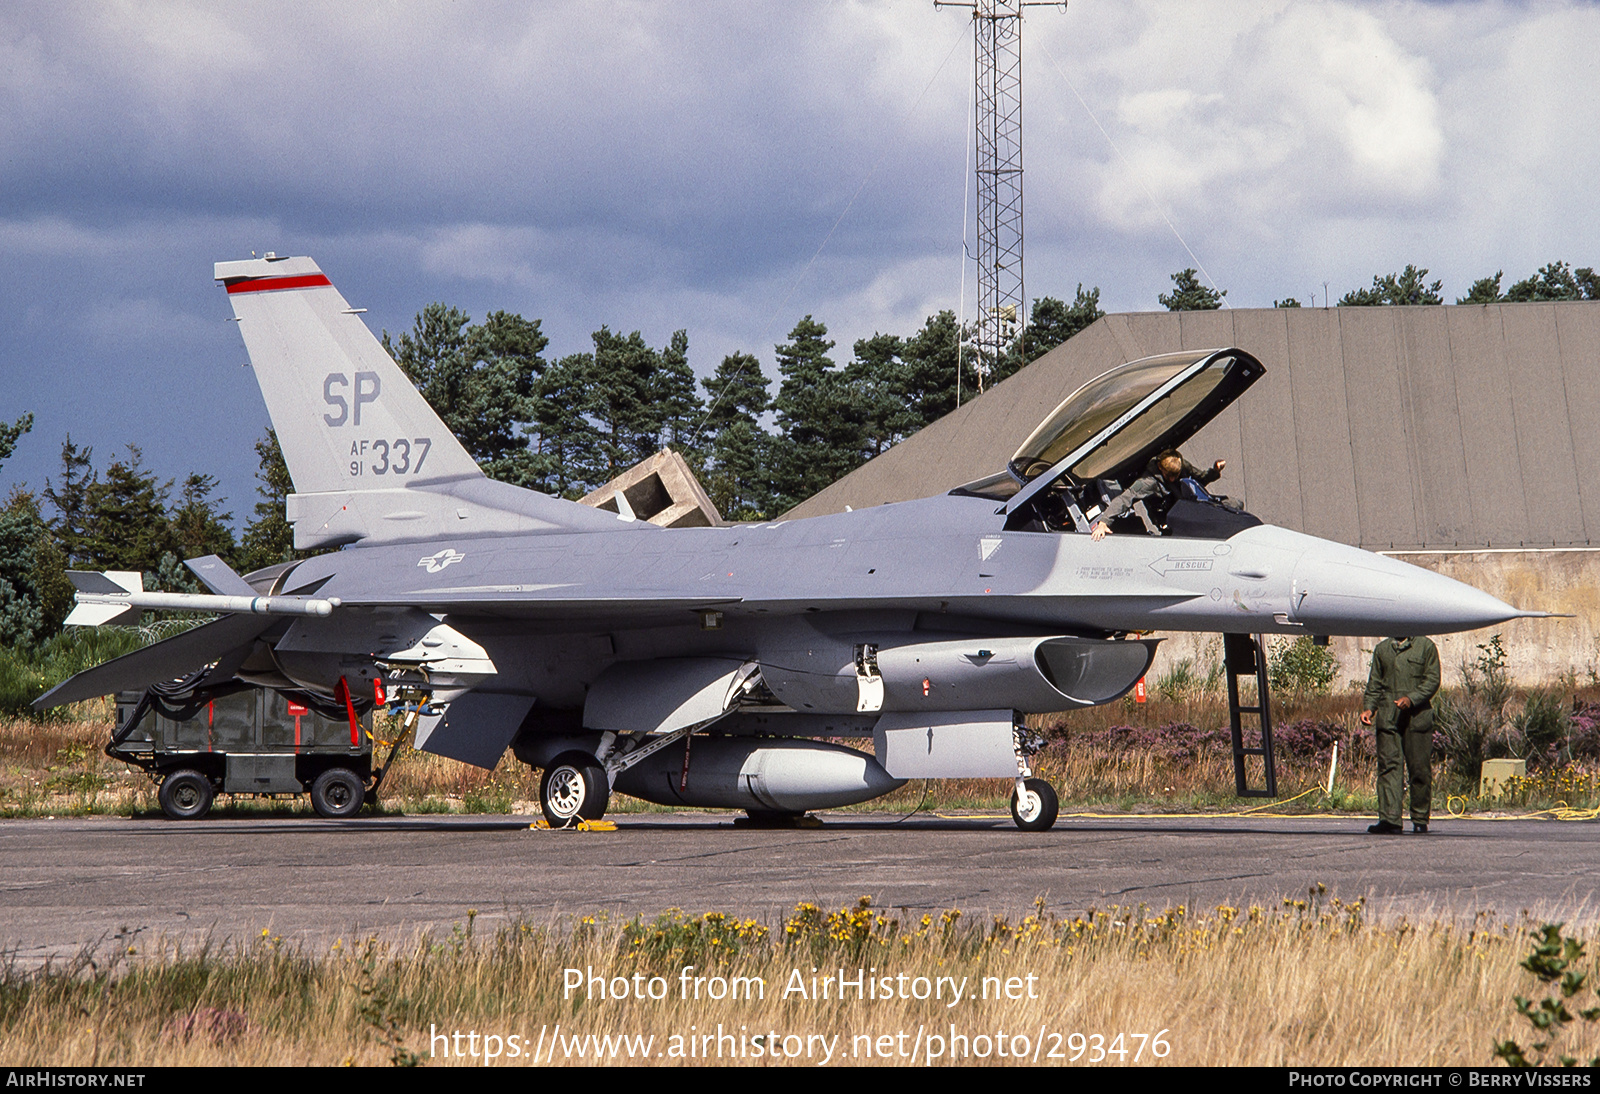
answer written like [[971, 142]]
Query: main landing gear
[[574, 788]]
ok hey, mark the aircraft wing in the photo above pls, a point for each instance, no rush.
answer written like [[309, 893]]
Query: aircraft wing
[[166, 660], [635, 607]]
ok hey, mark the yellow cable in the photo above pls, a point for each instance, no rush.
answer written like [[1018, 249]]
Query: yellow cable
[[1559, 811]]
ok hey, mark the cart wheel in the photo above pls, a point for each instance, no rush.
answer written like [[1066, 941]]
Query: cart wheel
[[185, 795], [1035, 810], [338, 792], [574, 788]]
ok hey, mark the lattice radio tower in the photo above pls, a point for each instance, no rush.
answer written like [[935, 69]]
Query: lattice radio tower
[[997, 65]]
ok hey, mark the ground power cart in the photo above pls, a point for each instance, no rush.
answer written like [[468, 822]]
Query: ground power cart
[[240, 739]]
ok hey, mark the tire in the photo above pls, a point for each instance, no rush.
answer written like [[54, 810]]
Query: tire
[[185, 795], [574, 788], [338, 792], [1038, 812]]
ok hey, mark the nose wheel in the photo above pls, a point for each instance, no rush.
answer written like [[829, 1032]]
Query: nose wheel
[[1034, 805]]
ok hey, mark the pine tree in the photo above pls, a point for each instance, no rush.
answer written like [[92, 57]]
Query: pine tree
[[10, 433], [1052, 322], [480, 380], [269, 537], [1554, 281], [70, 500], [1189, 295], [1485, 290], [927, 387], [736, 446], [197, 528], [126, 525], [822, 427], [1406, 287], [676, 405]]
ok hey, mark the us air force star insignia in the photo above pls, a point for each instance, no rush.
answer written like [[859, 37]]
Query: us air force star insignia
[[437, 562]]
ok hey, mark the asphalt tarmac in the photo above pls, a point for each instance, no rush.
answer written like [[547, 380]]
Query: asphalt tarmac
[[68, 883]]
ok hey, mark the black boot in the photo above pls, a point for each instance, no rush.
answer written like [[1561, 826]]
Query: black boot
[[1385, 828]]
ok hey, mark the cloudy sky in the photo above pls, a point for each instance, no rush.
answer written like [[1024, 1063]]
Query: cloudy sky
[[659, 165]]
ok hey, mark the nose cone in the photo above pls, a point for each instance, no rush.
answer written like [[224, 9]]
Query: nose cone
[[1344, 590]]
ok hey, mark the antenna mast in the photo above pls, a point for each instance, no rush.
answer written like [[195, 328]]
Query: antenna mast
[[997, 66]]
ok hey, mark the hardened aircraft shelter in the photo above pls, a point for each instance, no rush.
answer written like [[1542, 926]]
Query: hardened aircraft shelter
[[1459, 438]]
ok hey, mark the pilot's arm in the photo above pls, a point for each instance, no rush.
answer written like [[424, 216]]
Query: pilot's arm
[[1123, 503]]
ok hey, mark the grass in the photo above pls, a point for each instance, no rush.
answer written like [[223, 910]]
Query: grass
[[1310, 981]]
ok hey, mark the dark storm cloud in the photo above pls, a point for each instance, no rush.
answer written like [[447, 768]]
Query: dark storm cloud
[[673, 165]]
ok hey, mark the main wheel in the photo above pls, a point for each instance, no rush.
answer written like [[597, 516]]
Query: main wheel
[[574, 788], [338, 792], [185, 795], [1036, 809]]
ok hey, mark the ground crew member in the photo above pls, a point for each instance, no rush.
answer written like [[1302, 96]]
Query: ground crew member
[[1158, 489], [1398, 704]]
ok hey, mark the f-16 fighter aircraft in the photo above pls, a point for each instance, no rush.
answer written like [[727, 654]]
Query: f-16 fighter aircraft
[[703, 667]]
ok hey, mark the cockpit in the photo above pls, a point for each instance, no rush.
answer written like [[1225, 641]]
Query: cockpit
[[1107, 434]]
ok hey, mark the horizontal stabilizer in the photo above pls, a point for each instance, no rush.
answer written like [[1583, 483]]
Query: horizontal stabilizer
[[219, 576], [167, 660]]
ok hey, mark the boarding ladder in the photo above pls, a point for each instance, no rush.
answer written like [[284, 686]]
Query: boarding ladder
[[1244, 655]]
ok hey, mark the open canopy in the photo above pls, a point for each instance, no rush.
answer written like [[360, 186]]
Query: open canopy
[[1111, 427]]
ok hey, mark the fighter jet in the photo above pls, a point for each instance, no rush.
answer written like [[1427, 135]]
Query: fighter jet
[[704, 667]]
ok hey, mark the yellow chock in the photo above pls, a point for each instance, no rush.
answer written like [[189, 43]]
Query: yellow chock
[[582, 826]]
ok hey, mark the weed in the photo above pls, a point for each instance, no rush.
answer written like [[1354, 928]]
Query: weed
[[1301, 666], [1554, 961]]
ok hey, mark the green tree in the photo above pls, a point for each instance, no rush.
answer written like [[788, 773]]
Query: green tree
[[1407, 287], [10, 433], [1286, 302], [822, 426], [71, 500], [35, 594], [676, 406], [197, 528], [927, 378], [875, 383], [269, 537], [480, 380], [621, 389], [126, 525], [565, 440], [736, 446], [1189, 295], [1052, 322], [1485, 290], [1554, 281]]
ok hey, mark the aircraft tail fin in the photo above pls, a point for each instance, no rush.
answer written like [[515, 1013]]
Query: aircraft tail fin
[[370, 459]]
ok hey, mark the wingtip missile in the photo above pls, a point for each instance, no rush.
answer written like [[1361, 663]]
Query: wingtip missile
[[105, 597]]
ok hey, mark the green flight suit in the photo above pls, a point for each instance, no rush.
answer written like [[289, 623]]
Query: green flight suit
[[1408, 667]]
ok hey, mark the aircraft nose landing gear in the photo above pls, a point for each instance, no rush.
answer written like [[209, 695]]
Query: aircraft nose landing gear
[[1033, 803]]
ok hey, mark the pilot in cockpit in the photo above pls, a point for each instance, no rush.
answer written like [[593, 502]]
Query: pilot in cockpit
[[1158, 488]]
